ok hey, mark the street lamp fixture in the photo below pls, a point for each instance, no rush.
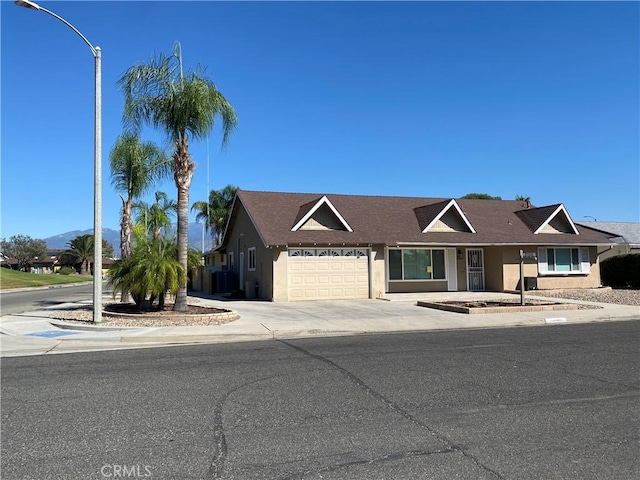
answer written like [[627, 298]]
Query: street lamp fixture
[[97, 163]]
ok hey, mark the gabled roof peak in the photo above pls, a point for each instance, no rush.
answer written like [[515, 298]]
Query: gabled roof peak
[[432, 214], [312, 207], [541, 219]]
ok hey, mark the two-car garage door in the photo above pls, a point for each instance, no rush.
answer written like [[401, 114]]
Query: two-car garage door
[[328, 273]]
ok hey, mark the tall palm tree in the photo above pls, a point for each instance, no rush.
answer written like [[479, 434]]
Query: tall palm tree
[[185, 106], [216, 213], [135, 166], [157, 216]]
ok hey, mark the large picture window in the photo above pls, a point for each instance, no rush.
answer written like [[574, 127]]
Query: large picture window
[[416, 264], [563, 260]]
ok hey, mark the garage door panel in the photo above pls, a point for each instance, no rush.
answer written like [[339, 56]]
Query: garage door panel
[[323, 266], [336, 266], [328, 277]]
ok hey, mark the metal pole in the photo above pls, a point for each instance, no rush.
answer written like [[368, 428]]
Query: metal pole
[[521, 277], [97, 162], [97, 193]]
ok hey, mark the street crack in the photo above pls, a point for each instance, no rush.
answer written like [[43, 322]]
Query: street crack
[[220, 440], [451, 447]]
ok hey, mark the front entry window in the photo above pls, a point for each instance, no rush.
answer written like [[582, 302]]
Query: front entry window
[[416, 264]]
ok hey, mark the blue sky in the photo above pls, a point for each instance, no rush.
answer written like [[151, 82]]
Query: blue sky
[[433, 99]]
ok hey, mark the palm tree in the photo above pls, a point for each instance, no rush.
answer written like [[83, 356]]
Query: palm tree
[[185, 106], [135, 166], [216, 213], [81, 249], [157, 216], [152, 270], [525, 199]]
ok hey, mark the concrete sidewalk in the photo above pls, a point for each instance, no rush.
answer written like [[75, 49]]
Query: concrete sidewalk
[[34, 333]]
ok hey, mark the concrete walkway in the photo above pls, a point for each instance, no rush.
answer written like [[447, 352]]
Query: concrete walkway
[[34, 333]]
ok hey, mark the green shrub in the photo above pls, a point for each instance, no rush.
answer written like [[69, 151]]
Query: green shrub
[[66, 270], [622, 271]]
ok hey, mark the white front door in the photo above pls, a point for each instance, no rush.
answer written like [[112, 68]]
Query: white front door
[[475, 269]]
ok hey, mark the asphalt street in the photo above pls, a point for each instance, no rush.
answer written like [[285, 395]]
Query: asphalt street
[[514, 403], [24, 300]]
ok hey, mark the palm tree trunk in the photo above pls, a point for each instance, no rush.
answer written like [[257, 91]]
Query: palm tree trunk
[[125, 240], [125, 229], [180, 304], [183, 172]]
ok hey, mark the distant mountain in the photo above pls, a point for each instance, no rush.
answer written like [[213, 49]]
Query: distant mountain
[[113, 237], [62, 240]]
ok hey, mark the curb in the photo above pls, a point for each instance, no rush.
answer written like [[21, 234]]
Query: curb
[[90, 328], [193, 339]]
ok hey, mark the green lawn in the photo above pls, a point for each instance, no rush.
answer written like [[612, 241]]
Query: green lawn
[[13, 279]]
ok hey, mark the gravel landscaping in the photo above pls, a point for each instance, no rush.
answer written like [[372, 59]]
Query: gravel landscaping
[[600, 295]]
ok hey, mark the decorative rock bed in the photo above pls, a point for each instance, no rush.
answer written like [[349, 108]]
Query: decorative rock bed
[[123, 315], [214, 316], [496, 307]]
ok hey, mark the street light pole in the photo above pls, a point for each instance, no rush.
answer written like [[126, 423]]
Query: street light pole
[[97, 162]]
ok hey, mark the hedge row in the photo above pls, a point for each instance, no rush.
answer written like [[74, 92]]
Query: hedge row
[[622, 271]]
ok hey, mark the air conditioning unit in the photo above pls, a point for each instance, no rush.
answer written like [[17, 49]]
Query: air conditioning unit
[[530, 283]]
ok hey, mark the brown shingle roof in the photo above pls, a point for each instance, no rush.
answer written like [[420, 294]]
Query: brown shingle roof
[[399, 220], [535, 217], [304, 209], [427, 213]]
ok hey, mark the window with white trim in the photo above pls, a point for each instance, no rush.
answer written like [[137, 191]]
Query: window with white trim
[[417, 264], [251, 265], [563, 260]]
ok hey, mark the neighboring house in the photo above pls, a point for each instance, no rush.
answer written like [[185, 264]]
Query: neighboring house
[[303, 246], [51, 263], [42, 265], [626, 235], [46, 264]]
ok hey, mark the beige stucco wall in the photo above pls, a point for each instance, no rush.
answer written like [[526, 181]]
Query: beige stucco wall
[[493, 258], [243, 237], [511, 271], [511, 266], [461, 268], [280, 275], [378, 272]]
